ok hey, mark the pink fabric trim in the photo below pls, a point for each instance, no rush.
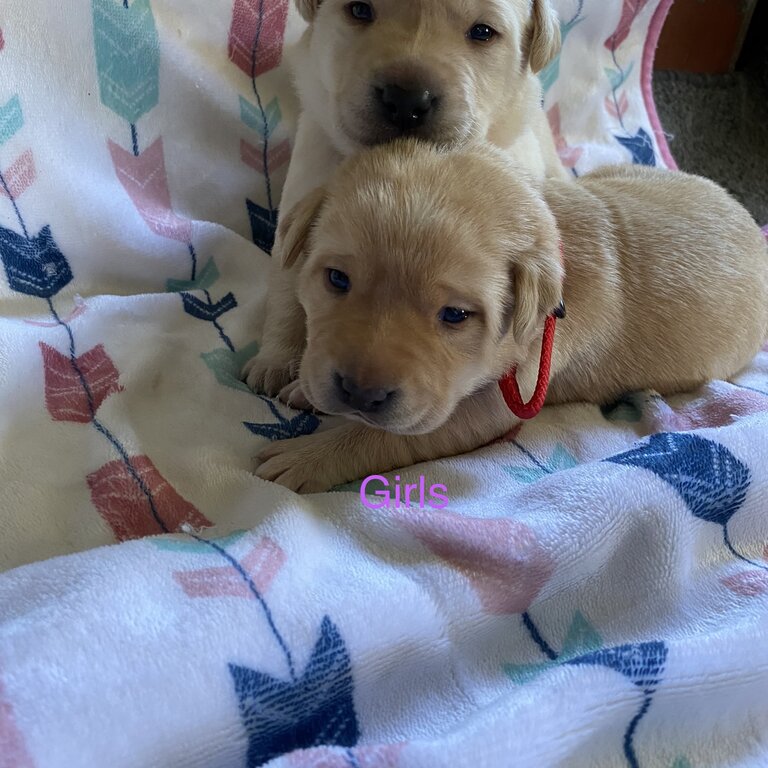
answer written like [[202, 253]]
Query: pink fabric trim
[[765, 231], [649, 54]]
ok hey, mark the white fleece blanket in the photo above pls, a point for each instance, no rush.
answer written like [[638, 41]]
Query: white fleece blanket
[[595, 592]]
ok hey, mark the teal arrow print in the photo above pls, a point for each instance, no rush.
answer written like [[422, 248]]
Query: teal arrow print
[[127, 57]]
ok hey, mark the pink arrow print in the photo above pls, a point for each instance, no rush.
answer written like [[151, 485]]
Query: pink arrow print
[[262, 564], [13, 750], [80, 308], [747, 583], [503, 559], [618, 108], [19, 177], [277, 156], [569, 156], [136, 500], [629, 12], [145, 180], [74, 392], [256, 35], [384, 756]]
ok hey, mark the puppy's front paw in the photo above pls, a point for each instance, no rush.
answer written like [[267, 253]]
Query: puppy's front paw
[[302, 464], [293, 396], [269, 373]]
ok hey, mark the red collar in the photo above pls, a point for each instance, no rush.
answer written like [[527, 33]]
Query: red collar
[[508, 384]]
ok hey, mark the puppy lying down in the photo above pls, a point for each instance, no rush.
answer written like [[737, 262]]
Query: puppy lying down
[[427, 275]]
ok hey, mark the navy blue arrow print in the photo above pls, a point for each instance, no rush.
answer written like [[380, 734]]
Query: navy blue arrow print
[[208, 310], [314, 710], [34, 265], [711, 480], [642, 664], [263, 119], [303, 424], [641, 147], [263, 225]]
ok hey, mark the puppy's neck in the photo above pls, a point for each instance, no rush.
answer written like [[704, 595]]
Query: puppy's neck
[[587, 239], [588, 234]]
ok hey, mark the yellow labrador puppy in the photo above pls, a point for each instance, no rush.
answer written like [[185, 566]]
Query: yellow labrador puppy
[[447, 71], [426, 275]]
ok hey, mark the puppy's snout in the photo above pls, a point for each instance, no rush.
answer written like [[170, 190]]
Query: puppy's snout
[[363, 399], [406, 107]]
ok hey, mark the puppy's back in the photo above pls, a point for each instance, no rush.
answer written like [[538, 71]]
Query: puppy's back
[[686, 224], [694, 271]]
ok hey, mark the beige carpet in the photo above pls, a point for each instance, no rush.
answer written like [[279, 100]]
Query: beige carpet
[[717, 125]]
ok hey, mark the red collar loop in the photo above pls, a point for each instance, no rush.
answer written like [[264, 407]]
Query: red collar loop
[[509, 386]]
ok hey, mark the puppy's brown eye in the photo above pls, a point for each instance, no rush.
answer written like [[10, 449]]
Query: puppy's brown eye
[[482, 33], [360, 12], [454, 315], [338, 280]]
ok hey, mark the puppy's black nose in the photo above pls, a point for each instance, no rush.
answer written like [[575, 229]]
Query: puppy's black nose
[[406, 108], [364, 400]]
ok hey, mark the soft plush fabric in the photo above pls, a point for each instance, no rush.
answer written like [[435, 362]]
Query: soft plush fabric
[[595, 592]]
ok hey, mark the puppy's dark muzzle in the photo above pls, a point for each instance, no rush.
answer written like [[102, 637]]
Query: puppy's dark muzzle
[[365, 400]]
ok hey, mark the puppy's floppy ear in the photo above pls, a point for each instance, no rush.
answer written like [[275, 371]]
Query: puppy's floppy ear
[[294, 229], [537, 283], [308, 8], [545, 38]]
